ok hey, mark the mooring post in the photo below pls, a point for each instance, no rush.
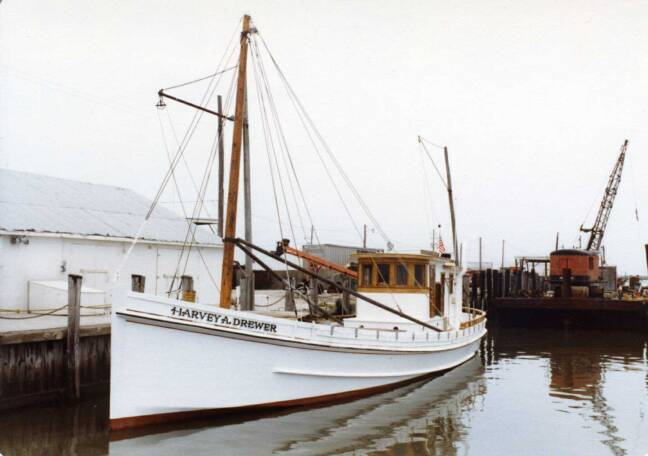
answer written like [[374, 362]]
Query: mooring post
[[138, 283], [74, 322]]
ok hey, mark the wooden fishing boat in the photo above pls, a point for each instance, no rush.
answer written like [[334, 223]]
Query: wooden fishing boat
[[172, 360]]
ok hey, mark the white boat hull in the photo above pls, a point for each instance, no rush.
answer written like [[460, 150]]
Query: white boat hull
[[169, 362]]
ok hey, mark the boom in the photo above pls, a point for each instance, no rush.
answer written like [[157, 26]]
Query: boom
[[598, 229], [282, 247]]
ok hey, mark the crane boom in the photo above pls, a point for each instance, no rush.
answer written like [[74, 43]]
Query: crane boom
[[598, 229], [282, 247]]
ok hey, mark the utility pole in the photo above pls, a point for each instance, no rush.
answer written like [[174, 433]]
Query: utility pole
[[221, 166], [503, 253], [452, 210], [235, 168], [364, 237], [247, 294]]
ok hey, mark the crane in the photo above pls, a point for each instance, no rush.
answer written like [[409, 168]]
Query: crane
[[598, 229]]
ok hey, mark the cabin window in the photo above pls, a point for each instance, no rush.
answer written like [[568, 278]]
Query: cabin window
[[419, 275], [383, 274], [401, 275], [366, 275]]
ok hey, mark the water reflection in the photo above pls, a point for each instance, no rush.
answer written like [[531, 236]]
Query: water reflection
[[528, 392], [424, 415]]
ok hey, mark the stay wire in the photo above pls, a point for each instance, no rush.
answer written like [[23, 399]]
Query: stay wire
[[182, 205], [283, 143], [317, 151], [269, 147], [209, 91], [259, 77], [180, 152], [201, 79], [427, 152], [191, 231], [328, 151]]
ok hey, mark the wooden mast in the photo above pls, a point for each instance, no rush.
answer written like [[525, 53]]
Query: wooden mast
[[235, 167], [221, 166], [452, 210]]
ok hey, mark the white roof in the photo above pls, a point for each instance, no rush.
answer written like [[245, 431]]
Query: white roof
[[43, 204]]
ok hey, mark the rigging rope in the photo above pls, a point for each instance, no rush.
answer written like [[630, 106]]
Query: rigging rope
[[300, 109], [184, 211], [283, 144], [213, 83], [201, 79], [191, 230], [445, 184]]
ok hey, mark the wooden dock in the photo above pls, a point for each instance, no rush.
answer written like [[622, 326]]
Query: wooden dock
[[34, 362], [576, 312]]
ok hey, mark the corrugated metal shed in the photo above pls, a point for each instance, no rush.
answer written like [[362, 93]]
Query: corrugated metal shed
[[339, 254], [43, 204]]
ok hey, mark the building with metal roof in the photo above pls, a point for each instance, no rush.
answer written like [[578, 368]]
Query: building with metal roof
[[32, 203], [51, 227]]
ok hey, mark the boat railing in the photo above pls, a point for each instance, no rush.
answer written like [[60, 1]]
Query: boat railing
[[398, 336], [477, 316]]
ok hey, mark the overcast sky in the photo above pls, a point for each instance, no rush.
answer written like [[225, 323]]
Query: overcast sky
[[533, 99]]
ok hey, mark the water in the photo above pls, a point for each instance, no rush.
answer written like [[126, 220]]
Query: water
[[539, 392]]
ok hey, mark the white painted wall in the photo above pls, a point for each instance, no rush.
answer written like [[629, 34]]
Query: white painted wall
[[413, 304], [52, 258]]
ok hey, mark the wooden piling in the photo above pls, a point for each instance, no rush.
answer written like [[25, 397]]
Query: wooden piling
[[482, 287], [497, 284], [507, 282], [74, 323], [474, 285], [489, 286], [138, 283], [566, 283]]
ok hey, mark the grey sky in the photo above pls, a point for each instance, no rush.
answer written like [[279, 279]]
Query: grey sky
[[533, 99]]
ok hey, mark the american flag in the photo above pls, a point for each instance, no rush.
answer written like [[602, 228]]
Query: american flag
[[441, 247]]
